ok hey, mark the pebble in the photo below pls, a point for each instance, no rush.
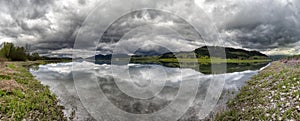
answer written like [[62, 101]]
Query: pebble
[[283, 87], [298, 108], [272, 92], [274, 105], [287, 104], [273, 116]]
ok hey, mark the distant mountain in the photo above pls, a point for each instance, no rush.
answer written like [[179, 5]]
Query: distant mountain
[[103, 57], [151, 52], [278, 57], [231, 53]]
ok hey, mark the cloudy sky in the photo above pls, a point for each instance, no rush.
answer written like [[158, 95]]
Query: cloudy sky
[[51, 26]]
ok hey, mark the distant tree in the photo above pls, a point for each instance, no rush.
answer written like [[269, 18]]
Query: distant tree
[[10, 52], [18, 54], [205, 57], [35, 56], [27, 48], [7, 49]]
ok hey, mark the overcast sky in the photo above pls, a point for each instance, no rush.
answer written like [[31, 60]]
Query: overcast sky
[[51, 26]]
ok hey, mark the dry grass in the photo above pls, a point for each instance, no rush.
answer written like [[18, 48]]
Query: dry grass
[[24, 98], [2, 62], [273, 94], [10, 85]]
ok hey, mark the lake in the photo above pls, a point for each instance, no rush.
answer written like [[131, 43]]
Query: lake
[[100, 91]]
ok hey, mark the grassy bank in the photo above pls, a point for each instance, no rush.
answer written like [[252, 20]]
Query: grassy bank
[[273, 94], [23, 97]]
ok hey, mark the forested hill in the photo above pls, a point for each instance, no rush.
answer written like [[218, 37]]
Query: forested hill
[[231, 53], [203, 52]]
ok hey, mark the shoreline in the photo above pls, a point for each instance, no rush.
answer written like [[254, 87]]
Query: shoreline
[[24, 97], [234, 111], [50, 82], [272, 94]]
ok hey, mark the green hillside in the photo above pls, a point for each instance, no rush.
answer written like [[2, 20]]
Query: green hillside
[[231, 53]]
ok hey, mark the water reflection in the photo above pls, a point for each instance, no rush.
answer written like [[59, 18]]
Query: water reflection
[[230, 67], [59, 78]]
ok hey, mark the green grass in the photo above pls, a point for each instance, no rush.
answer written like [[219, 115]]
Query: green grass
[[273, 94], [31, 102], [158, 60], [5, 77], [12, 66]]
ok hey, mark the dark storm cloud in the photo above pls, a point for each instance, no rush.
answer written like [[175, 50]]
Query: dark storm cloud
[[257, 24], [45, 24], [274, 28], [134, 20]]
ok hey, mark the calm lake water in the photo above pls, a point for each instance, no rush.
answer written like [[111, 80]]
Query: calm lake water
[[82, 94]]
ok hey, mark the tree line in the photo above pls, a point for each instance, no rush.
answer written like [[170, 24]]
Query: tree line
[[11, 52]]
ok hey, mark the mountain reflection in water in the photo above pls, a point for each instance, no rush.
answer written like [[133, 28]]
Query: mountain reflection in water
[[60, 80]]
